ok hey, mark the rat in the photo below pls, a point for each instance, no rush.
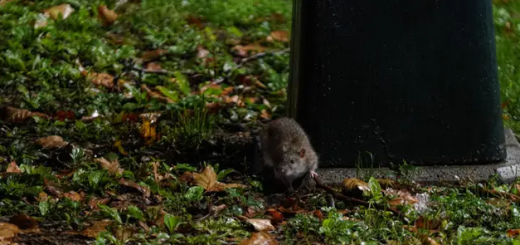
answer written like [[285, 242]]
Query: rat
[[287, 149]]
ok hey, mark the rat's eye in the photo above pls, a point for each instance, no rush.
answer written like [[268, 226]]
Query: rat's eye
[[292, 161]]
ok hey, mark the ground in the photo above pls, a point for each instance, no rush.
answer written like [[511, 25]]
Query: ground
[[127, 122]]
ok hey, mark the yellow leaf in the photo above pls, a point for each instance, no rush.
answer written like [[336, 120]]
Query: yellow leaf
[[53, 141], [120, 147], [208, 180]]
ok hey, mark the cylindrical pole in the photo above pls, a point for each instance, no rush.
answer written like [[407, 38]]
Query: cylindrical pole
[[401, 79]]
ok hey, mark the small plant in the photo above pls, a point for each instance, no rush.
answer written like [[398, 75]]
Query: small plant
[[191, 129]]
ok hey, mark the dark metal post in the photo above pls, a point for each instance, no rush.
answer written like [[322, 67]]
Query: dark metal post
[[402, 79]]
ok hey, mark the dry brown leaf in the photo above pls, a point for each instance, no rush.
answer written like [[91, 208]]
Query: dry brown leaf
[[8, 232], [65, 10], [74, 196], [253, 47], [208, 180], [50, 142], [13, 168], [123, 233], [52, 188], [264, 114], [280, 36], [259, 224], [23, 221], [14, 115], [106, 15], [93, 203], [260, 238], [202, 52], [142, 189], [354, 187], [96, 228], [513, 232], [112, 167], [153, 55], [101, 79], [277, 217], [156, 95], [153, 66]]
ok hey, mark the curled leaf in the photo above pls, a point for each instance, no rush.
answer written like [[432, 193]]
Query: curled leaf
[[144, 190], [106, 15], [53, 141], [261, 224], [65, 10], [14, 115]]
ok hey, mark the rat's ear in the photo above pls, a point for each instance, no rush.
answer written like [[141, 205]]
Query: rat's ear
[[284, 148], [302, 153]]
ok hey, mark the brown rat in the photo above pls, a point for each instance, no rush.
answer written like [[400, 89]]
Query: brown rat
[[286, 148]]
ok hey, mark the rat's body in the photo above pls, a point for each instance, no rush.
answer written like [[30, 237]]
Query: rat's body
[[286, 148]]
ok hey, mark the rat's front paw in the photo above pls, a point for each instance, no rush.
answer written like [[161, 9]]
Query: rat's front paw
[[314, 174]]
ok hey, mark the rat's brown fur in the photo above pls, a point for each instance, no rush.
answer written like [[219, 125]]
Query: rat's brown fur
[[287, 149]]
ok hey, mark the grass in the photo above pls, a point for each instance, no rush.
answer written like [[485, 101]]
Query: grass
[[128, 97]]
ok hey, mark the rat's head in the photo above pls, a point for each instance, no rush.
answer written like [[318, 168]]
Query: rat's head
[[292, 163]]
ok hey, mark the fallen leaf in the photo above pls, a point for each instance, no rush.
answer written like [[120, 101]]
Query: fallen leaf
[[260, 238], [93, 202], [318, 214], [96, 228], [202, 52], [112, 167], [428, 224], [215, 210], [208, 180], [65, 10], [23, 221], [120, 148], [8, 232], [144, 190], [123, 233], [277, 216], [153, 66], [74, 196], [50, 142], [354, 187], [425, 240], [253, 47], [106, 15], [115, 39], [148, 131], [280, 36], [264, 114], [513, 232], [153, 55], [14, 115], [156, 95], [62, 115], [101, 79], [260, 224], [52, 188], [13, 168]]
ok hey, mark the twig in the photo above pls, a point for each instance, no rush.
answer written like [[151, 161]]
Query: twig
[[350, 199], [255, 57]]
